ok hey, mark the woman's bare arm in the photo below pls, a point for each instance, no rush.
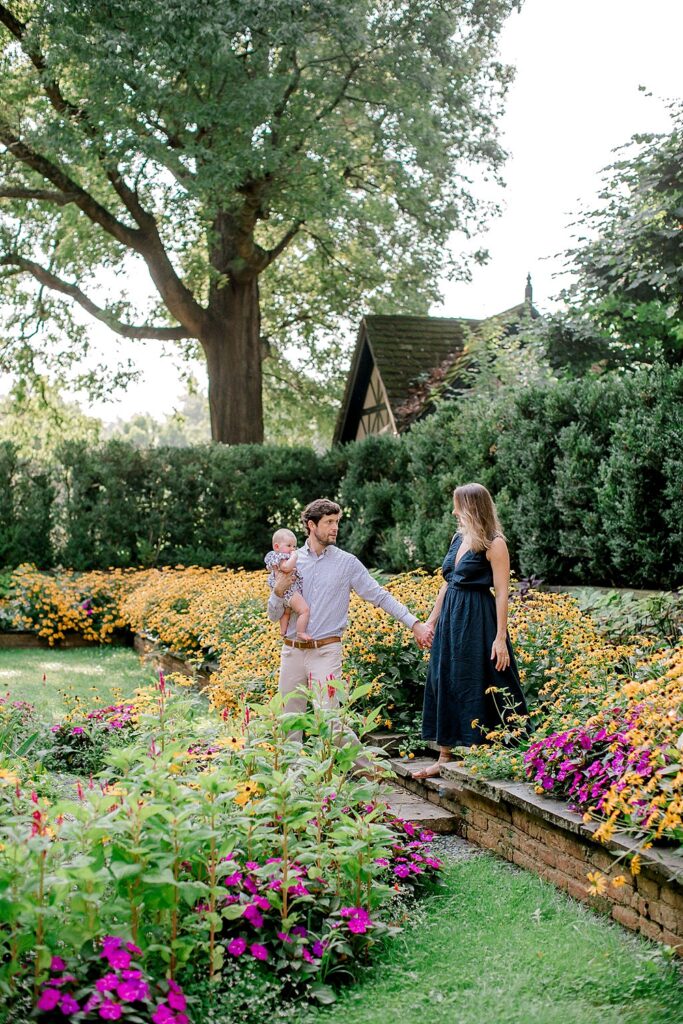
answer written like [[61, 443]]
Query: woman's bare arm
[[436, 610], [499, 558]]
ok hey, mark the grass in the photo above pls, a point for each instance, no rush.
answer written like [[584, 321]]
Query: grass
[[500, 946], [98, 675]]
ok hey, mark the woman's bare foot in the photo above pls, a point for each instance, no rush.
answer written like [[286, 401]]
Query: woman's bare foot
[[432, 770]]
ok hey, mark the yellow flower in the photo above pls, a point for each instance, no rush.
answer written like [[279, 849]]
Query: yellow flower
[[598, 883], [618, 881], [636, 865]]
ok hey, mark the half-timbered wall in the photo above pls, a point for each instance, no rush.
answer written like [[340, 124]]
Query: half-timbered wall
[[376, 416]]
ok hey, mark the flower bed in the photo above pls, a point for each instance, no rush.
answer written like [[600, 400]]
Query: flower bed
[[574, 676], [206, 843]]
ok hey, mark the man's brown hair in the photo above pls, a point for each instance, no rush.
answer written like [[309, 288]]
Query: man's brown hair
[[315, 510]]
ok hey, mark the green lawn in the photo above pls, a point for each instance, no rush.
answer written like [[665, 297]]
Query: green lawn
[[48, 678], [499, 946]]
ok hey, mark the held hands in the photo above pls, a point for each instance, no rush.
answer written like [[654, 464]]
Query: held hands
[[499, 654], [424, 634]]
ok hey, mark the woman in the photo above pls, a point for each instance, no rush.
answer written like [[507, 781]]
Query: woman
[[471, 650]]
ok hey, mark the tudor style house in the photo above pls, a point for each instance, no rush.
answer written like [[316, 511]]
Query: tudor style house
[[396, 362]]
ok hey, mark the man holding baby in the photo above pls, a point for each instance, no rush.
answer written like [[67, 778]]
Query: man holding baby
[[329, 575]]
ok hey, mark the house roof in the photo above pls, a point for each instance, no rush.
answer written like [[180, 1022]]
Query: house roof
[[407, 350]]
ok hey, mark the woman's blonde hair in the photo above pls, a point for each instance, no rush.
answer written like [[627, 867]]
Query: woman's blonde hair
[[478, 516]]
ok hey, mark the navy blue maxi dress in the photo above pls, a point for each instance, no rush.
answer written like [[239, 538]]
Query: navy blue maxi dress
[[460, 666]]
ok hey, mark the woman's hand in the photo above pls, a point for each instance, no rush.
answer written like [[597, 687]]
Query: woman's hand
[[500, 654]]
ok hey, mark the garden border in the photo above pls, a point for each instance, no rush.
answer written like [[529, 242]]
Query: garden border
[[541, 835]]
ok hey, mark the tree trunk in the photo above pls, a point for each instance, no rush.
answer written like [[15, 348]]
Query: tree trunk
[[233, 356]]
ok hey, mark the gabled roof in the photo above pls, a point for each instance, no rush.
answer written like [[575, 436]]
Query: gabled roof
[[406, 351]]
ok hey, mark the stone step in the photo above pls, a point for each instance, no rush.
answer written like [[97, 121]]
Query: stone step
[[423, 813]]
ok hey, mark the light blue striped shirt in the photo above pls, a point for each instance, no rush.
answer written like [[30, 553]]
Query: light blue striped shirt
[[329, 579]]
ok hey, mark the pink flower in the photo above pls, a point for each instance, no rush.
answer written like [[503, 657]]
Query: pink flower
[[237, 947], [119, 958], [318, 948], [253, 916], [110, 1011], [132, 948], [48, 999], [251, 865], [262, 903], [130, 991], [162, 1015], [107, 984], [176, 1000], [401, 870], [68, 1005], [57, 964], [77, 731], [258, 952], [234, 879]]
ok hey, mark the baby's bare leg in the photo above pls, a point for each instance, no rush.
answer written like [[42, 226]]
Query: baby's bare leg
[[298, 605], [284, 622]]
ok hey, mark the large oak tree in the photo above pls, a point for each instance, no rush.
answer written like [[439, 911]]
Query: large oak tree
[[270, 160]]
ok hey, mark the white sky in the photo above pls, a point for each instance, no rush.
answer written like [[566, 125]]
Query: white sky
[[575, 98]]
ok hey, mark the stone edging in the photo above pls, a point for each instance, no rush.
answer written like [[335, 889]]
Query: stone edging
[[541, 835]]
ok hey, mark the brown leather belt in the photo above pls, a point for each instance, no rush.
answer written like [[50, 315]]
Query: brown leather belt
[[311, 645]]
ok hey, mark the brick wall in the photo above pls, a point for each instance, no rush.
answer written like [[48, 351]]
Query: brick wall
[[553, 843]]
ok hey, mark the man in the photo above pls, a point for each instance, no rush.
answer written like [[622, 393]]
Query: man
[[329, 576]]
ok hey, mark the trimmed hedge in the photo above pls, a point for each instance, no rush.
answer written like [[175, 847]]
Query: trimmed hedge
[[588, 476], [116, 505]]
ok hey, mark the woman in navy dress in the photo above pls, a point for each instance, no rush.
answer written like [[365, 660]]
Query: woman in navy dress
[[471, 650]]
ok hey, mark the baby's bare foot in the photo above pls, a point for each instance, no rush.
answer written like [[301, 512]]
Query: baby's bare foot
[[304, 636]]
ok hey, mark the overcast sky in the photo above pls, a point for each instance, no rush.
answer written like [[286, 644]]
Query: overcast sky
[[575, 98]]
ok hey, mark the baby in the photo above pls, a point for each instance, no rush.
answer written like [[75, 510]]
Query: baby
[[283, 558]]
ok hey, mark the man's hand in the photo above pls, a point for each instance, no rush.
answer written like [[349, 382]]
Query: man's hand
[[423, 635], [282, 581]]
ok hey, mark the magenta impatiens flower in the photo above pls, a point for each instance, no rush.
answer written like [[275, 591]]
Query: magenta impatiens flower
[[48, 999], [107, 984], [253, 916], [258, 952], [57, 964], [237, 946], [162, 1015], [110, 1011], [176, 1000], [68, 1005]]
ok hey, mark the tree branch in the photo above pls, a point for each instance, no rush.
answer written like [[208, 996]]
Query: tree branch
[[272, 254], [130, 237], [50, 280], [42, 195]]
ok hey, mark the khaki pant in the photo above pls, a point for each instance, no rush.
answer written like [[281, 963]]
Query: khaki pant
[[311, 669]]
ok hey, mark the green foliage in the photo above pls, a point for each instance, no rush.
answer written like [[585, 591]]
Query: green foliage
[[26, 510], [623, 614], [373, 496], [199, 833], [205, 505], [337, 178], [630, 266]]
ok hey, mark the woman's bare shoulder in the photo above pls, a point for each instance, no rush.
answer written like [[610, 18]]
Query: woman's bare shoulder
[[498, 546]]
